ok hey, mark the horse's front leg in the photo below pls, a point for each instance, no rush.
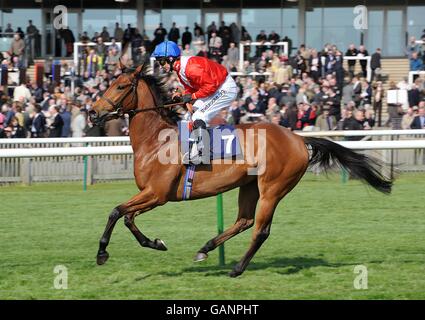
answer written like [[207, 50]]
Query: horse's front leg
[[142, 202], [102, 254], [144, 241]]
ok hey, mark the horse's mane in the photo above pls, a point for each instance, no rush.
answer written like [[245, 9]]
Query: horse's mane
[[158, 84]]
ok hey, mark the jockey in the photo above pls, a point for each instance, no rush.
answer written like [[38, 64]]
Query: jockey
[[206, 82]]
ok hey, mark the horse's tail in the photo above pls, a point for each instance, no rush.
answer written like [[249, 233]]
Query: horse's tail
[[326, 153]]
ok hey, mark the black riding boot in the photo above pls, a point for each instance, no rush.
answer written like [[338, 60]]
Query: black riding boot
[[197, 154]]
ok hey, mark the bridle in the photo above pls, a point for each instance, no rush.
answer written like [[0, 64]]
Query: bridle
[[118, 109]]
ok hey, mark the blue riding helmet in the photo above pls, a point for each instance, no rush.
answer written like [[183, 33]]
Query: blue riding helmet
[[166, 49]]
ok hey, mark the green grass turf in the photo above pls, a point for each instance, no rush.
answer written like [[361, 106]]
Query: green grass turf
[[321, 231]]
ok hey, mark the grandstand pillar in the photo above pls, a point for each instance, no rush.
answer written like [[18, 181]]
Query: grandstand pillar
[[140, 8], [79, 24], [301, 21], [43, 33]]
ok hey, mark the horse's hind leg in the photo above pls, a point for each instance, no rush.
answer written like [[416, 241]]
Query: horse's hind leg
[[248, 198], [271, 192], [263, 223], [102, 254]]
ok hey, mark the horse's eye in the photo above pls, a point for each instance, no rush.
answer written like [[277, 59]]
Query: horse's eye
[[120, 87]]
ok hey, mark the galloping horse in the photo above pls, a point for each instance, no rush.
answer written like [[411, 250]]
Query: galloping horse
[[285, 160]]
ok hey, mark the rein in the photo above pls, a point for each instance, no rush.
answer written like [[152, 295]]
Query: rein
[[165, 106], [118, 112]]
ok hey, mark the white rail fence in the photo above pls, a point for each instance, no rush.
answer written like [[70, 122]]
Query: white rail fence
[[368, 68], [111, 158], [56, 167], [242, 46], [88, 44], [412, 75]]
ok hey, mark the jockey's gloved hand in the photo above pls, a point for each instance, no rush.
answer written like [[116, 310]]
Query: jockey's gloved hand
[[176, 96], [187, 98]]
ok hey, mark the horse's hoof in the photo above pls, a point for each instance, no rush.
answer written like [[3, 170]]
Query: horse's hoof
[[160, 245], [234, 273], [200, 256], [102, 258]]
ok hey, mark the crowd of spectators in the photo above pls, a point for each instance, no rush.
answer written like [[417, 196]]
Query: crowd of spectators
[[310, 89]]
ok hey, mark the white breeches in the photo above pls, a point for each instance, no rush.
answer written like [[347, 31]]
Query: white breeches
[[207, 108]]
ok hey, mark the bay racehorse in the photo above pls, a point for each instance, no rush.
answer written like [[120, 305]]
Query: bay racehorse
[[285, 159]]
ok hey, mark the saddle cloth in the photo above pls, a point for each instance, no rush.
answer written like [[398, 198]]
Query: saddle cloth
[[223, 141]]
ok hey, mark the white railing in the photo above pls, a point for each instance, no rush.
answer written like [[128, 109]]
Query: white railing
[[251, 74], [89, 44], [49, 164], [413, 73], [66, 152], [361, 133], [340, 133], [111, 158], [283, 44], [65, 140], [368, 68], [127, 150]]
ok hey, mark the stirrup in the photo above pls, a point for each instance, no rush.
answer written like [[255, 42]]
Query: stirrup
[[192, 156], [187, 159]]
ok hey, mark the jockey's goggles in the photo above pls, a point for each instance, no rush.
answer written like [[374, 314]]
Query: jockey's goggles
[[162, 61]]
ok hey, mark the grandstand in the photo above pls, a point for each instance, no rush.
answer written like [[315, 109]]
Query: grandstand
[[50, 64], [395, 70]]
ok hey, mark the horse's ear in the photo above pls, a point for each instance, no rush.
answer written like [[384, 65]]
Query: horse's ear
[[139, 69], [121, 65]]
